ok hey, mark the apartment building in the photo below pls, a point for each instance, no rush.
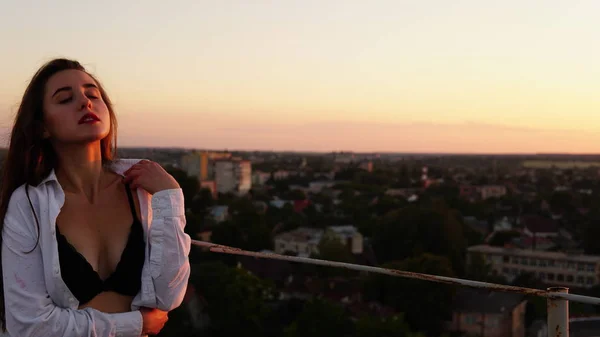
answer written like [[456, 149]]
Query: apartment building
[[233, 176], [554, 268], [304, 241], [200, 163], [260, 178]]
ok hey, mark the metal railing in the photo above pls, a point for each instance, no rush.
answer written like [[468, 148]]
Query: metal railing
[[558, 297]]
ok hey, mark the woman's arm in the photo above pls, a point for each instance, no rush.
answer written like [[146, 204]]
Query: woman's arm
[[168, 243], [29, 309], [169, 248]]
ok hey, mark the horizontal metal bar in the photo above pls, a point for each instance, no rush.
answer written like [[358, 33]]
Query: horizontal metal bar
[[216, 248]]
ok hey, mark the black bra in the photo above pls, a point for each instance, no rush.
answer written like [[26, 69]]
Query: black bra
[[85, 283]]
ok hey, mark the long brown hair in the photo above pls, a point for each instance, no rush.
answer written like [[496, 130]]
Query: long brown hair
[[30, 157]]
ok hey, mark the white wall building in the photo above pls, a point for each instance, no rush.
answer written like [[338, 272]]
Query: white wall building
[[555, 268], [233, 176], [304, 241]]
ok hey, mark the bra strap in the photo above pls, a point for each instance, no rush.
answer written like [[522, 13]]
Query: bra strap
[[131, 202]]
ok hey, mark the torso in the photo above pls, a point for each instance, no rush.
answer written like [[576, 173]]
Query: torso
[[99, 231]]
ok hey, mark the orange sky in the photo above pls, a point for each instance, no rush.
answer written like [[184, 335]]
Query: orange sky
[[434, 76]]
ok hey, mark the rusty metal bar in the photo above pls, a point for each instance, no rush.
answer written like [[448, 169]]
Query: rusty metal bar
[[216, 248], [558, 314]]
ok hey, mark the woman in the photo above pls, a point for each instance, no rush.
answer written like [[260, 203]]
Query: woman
[[81, 254]]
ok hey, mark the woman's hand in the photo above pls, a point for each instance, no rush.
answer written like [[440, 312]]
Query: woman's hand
[[153, 320], [149, 176]]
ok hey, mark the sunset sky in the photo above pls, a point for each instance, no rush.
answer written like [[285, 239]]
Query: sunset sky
[[407, 76]]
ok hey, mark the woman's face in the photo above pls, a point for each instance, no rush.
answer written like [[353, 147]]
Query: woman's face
[[74, 111]]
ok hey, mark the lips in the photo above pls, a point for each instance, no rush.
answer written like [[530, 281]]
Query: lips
[[89, 118]]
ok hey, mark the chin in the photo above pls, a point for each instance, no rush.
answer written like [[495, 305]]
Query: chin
[[90, 138]]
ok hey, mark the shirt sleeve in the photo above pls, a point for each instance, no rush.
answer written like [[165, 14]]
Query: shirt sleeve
[[169, 248], [29, 309]]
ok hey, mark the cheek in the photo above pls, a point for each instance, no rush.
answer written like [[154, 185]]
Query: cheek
[[55, 120], [101, 108]]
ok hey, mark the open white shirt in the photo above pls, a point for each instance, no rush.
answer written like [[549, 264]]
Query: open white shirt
[[39, 303]]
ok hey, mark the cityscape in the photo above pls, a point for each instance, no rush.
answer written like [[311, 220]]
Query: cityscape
[[525, 220], [349, 168]]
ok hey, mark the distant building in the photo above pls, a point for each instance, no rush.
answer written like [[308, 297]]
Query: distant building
[[200, 163], [219, 213], [503, 225], [367, 166], [233, 176], [403, 192], [488, 314], [344, 158], [260, 178], [491, 191], [304, 241], [281, 174], [318, 186], [279, 203], [349, 236], [210, 185], [483, 192], [554, 268]]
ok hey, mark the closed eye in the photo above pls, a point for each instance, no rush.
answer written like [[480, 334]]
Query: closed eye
[[66, 100]]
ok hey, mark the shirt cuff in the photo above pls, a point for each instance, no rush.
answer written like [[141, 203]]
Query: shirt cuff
[[129, 324], [168, 203]]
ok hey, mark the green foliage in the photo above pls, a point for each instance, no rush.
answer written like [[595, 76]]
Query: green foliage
[[320, 318], [332, 249], [236, 301], [415, 230], [394, 326], [503, 237], [189, 185], [426, 305], [479, 270]]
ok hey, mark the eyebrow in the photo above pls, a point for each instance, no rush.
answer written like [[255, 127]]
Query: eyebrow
[[87, 85]]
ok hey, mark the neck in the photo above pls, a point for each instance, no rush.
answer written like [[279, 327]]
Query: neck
[[80, 169]]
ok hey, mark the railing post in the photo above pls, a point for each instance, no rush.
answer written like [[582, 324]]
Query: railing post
[[558, 314]]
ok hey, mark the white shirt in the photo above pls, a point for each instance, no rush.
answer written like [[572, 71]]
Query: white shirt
[[39, 303]]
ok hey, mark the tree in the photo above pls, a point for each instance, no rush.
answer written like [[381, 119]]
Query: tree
[[320, 318], [386, 204], [202, 201], [479, 270], [394, 326], [189, 185], [415, 230], [503, 237], [332, 249], [237, 301], [426, 305]]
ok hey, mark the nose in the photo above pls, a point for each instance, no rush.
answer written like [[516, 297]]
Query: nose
[[84, 102]]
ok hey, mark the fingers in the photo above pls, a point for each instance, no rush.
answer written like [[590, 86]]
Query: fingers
[[138, 165], [131, 175]]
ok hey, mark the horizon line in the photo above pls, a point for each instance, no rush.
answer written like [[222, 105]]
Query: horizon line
[[386, 153]]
